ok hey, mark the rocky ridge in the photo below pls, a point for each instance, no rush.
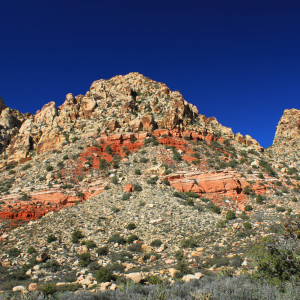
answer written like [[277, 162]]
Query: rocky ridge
[[153, 188]]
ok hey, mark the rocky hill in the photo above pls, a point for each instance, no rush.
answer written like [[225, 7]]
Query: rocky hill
[[130, 182], [286, 144]]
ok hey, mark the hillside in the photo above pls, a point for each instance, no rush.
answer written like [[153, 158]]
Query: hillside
[[131, 178]]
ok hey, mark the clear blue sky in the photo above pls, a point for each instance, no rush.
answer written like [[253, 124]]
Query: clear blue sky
[[236, 60]]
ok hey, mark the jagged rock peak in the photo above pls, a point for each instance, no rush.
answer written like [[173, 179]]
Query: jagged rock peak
[[288, 127], [2, 105], [286, 144]]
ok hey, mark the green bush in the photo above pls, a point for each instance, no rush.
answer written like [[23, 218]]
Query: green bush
[[280, 209], [137, 187], [126, 196], [216, 209], [90, 244], [104, 274], [230, 215], [131, 226], [132, 238], [51, 238], [102, 250], [76, 236], [189, 202], [49, 168], [13, 252], [156, 243], [116, 238], [248, 208], [247, 190], [31, 250], [137, 172], [189, 243], [247, 225], [84, 259], [135, 248], [48, 289]]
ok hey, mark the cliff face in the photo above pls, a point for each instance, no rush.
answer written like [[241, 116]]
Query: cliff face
[[10, 122], [129, 103], [286, 143]]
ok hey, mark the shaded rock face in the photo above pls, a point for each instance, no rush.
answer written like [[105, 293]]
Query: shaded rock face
[[286, 144], [122, 104]]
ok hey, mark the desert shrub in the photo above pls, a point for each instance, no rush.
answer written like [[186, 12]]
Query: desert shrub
[[189, 243], [230, 215], [275, 264], [31, 250], [192, 195], [115, 209], [116, 238], [176, 155], [144, 160], [90, 244], [13, 252], [49, 168], [137, 187], [260, 199], [126, 196], [248, 208], [135, 248], [102, 251], [152, 180], [247, 225], [130, 226], [183, 268], [216, 209], [94, 266], [247, 190], [267, 167], [109, 150], [166, 181], [137, 172], [189, 202], [132, 238], [65, 157], [26, 167], [280, 209], [76, 236], [51, 238], [104, 274], [84, 259], [103, 164], [156, 243], [48, 288], [294, 199], [51, 265], [114, 180]]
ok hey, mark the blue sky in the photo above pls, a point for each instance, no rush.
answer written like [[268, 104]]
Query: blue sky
[[238, 61]]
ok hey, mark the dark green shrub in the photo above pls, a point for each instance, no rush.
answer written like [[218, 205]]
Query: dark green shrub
[[280, 209], [84, 259], [166, 181], [76, 236], [247, 225], [131, 226], [104, 275], [247, 190], [132, 238], [189, 243], [192, 195], [137, 172], [126, 196], [116, 238], [114, 180], [102, 250], [49, 168], [109, 150], [248, 208], [156, 243], [115, 209], [31, 250], [144, 160], [137, 187], [51, 238], [13, 252], [189, 202], [260, 199], [176, 155], [135, 248], [152, 180], [48, 288], [90, 244], [103, 164], [230, 215], [216, 209], [65, 157]]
